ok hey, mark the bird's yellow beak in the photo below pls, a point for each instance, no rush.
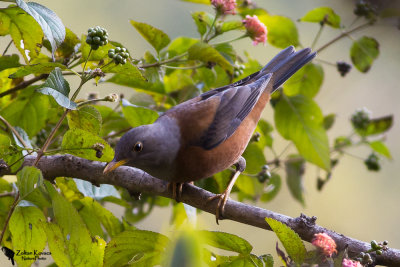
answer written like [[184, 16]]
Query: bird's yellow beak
[[113, 165]]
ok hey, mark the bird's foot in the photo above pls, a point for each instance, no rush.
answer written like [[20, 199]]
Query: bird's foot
[[223, 198], [176, 189]]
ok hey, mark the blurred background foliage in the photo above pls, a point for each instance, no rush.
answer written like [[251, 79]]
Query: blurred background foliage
[[355, 201]]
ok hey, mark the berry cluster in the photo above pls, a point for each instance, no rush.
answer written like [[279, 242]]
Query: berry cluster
[[372, 162], [97, 37], [364, 9], [238, 70], [360, 119], [343, 67], [264, 174], [119, 55]]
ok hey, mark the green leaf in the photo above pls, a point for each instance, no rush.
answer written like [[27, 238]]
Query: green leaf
[[145, 86], [272, 188], [51, 24], [7, 62], [79, 247], [157, 38], [377, 126], [294, 167], [136, 115], [79, 142], [254, 158], [24, 30], [208, 54], [10, 154], [40, 68], [231, 25], [202, 19], [112, 120], [282, 31], [289, 239], [265, 129], [268, 260], [95, 55], [28, 111], [181, 44], [58, 88], [67, 47], [363, 52], [226, 241], [300, 119], [324, 15], [96, 192], [86, 118], [306, 81], [57, 244], [329, 120], [31, 187], [126, 69], [27, 233], [381, 148], [135, 244], [100, 214]]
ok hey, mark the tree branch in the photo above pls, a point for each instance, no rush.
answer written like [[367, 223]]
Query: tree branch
[[136, 180], [24, 84]]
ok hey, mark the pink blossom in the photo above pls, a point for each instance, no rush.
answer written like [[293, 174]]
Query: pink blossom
[[224, 6], [350, 263], [255, 29], [325, 243]]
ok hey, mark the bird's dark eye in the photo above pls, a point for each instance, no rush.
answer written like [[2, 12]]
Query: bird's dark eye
[[138, 146]]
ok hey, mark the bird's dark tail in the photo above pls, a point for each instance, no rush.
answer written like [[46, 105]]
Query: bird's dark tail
[[285, 64]]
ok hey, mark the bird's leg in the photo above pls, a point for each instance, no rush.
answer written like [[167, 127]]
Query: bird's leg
[[176, 190], [223, 197]]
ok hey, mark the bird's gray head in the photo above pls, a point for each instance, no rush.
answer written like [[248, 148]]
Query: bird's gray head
[[151, 148]]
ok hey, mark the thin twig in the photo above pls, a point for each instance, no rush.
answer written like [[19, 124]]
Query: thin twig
[[343, 34], [9, 216], [24, 84], [159, 63], [8, 46], [321, 28], [12, 129], [7, 194]]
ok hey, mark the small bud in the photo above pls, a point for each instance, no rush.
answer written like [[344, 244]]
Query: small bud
[[111, 98], [99, 154], [372, 163], [361, 118], [385, 243], [343, 68], [325, 243]]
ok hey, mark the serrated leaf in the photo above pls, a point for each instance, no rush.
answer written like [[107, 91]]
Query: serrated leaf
[[282, 31], [381, 148], [289, 239], [79, 247], [322, 15], [363, 52], [27, 233], [24, 30], [272, 188], [7, 62], [28, 111], [40, 68], [208, 54], [227, 241], [86, 118], [57, 87], [79, 142], [136, 115], [135, 243], [306, 81], [31, 187], [51, 24], [294, 167], [300, 119], [377, 126], [157, 38]]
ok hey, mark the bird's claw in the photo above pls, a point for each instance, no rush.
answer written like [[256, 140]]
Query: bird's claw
[[219, 212], [176, 189]]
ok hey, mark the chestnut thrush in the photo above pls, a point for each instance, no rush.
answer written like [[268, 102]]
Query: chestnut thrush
[[208, 133]]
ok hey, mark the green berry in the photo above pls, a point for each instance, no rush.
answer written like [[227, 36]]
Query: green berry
[[111, 54], [89, 40], [118, 50], [385, 243], [125, 55], [123, 49], [374, 244], [96, 40], [123, 61], [361, 118], [95, 46], [372, 163]]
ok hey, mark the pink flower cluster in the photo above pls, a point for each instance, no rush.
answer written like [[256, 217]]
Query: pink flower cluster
[[351, 263], [325, 243], [255, 29], [224, 6]]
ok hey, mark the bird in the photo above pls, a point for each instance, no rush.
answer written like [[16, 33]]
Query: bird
[[208, 133]]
